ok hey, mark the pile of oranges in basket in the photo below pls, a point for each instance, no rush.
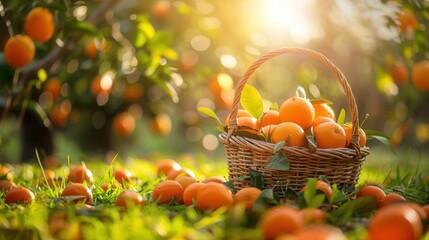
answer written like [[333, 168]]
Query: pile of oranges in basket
[[297, 118]]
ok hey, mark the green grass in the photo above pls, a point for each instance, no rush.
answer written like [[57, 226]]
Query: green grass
[[404, 173]]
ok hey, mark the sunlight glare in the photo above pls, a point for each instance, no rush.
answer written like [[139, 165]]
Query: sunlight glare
[[292, 17]]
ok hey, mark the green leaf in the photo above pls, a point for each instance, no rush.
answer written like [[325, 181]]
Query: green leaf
[[38, 110], [320, 101], [279, 146], [358, 206], [207, 111], [279, 161], [300, 92], [311, 142], [341, 116], [256, 179], [251, 101], [337, 196]]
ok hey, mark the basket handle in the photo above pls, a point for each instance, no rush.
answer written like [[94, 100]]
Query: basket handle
[[232, 125]]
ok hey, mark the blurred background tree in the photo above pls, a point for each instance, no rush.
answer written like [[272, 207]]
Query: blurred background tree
[[132, 80]]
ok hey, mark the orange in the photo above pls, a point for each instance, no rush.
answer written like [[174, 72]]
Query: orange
[[420, 75], [399, 73], [106, 186], [280, 220], [191, 192], [247, 196], [19, 51], [213, 179], [319, 120], [53, 86], [329, 135], [79, 174], [161, 124], [166, 166], [323, 187], [240, 113], [124, 124], [313, 215], [19, 195], [348, 130], [290, 132], [129, 199], [185, 181], [99, 85], [6, 185], [122, 176], [407, 21], [248, 124], [392, 198], [161, 10], [320, 232], [133, 92], [297, 110], [267, 132], [39, 24], [5, 172], [270, 118], [167, 192], [212, 196], [78, 189], [323, 110], [395, 222], [173, 174], [372, 191], [94, 46]]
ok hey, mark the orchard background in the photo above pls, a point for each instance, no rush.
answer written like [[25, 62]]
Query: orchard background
[[121, 80]]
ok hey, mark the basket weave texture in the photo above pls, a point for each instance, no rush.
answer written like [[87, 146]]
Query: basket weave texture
[[340, 166]]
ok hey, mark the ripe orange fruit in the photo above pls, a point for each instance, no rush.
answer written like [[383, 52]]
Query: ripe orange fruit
[[248, 124], [191, 192], [399, 73], [319, 232], [19, 50], [348, 130], [185, 181], [313, 215], [420, 75], [173, 174], [240, 113], [323, 187], [323, 110], [167, 192], [94, 46], [271, 117], [329, 135], [395, 222], [267, 132], [290, 132], [53, 86], [133, 92], [19, 195], [129, 199], [5, 172], [39, 24], [161, 10], [407, 21], [161, 124], [247, 196], [166, 166], [319, 120], [297, 110], [280, 220], [372, 191], [106, 186], [392, 198], [122, 176], [213, 179], [6, 185], [124, 124], [212, 196], [99, 84], [78, 189], [79, 174]]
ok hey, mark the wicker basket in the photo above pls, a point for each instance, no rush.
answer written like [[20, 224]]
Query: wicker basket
[[245, 155]]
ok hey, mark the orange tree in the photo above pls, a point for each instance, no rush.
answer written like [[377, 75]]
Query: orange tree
[[87, 68], [403, 72]]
